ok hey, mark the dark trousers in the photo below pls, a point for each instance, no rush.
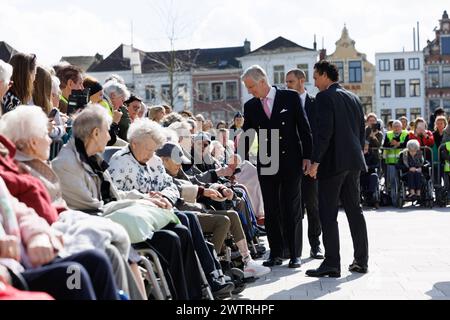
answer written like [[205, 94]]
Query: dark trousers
[[283, 218], [168, 246], [189, 261], [190, 220], [414, 180], [344, 186], [310, 199], [60, 278]]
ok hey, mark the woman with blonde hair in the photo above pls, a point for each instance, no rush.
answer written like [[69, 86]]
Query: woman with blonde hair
[[42, 89]]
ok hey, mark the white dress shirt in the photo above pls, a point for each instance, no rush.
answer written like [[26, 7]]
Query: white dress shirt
[[303, 98]]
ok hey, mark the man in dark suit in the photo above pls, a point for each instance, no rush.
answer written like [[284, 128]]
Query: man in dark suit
[[338, 161], [295, 80], [285, 147]]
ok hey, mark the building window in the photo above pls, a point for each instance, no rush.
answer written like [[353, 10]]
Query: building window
[[399, 64], [400, 113], [278, 75], [414, 64], [385, 64], [355, 71], [232, 90], [217, 116], [433, 75], [217, 91], [150, 93], [385, 88], [340, 67], [203, 92], [445, 45], [446, 76], [446, 105], [415, 113], [414, 88], [386, 115], [165, 92], [434, 104], [182, 92], [400, 90], [305, 68]]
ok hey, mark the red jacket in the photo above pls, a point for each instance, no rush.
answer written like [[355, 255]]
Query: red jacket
[[23, 186], [424, 142]]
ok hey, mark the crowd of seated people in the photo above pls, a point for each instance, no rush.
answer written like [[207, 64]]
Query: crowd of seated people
[[174, 185], [74, 211]]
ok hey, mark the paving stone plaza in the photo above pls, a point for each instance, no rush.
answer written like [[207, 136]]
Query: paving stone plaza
[[409, 260]]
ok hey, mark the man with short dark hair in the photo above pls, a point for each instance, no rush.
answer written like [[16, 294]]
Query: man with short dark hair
[[338, 161], [71, 78], [295, 80]]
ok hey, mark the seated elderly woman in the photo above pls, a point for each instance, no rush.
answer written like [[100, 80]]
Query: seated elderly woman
[[39, 187], [30, 248], [411, 162], [87, 186], [135, 167]]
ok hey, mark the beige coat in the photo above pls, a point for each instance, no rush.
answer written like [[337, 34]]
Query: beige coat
[[80, 185]]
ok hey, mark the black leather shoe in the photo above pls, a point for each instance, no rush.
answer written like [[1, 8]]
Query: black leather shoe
[[273, 262], [295, 263], [356, 267], [316, 253], [324, 271]]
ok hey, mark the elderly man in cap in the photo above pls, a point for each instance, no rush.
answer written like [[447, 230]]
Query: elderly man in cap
[[198, 195]]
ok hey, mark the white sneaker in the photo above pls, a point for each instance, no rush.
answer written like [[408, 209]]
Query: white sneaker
[[253, 269]]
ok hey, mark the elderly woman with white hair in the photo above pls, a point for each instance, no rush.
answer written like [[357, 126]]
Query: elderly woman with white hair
[[116, 94], [27, 128], [87, 186], [136, 167], [411, 162]]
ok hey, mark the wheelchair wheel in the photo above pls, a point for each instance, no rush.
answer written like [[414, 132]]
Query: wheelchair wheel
[[400, 202], [394, 193]]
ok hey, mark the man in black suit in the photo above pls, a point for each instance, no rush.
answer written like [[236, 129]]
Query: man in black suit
[[285, 147], [295, 80], [338, 161]]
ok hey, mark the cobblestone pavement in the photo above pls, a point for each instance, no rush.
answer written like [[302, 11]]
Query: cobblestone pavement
[[409, 253]]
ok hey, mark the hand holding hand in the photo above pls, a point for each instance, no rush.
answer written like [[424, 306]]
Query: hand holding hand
[[313, 170]]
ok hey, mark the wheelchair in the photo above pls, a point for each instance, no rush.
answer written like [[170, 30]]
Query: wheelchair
[[426, 197], [370, 180]]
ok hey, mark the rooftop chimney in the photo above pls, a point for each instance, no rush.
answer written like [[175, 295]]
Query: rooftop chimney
[[247, 46], [315, 43], [418, 37]]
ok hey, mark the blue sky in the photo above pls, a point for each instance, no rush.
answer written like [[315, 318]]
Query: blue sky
[[51, 28]]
